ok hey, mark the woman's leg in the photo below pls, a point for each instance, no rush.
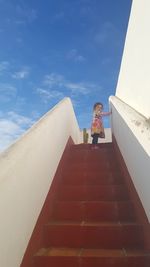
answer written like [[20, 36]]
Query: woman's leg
[[95, 138]]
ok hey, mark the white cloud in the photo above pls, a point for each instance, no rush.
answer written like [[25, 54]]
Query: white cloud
[[22, 74], [9, 131], [9, 128], [54, 79], [75, 56], [20, 14], [59, 81], [106, 61], [78, 88], [35, 114], [58, 16], [64, 86], [19, 40], [4, 65], [12, 125], [19, 119], [25, 14], [47, 95], [107, 33], [82, 88], [7, 92]]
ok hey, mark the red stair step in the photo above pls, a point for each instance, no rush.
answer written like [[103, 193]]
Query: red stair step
[[93, 220], [96, 235], [94, 210], [88, 147], [92, 178], [72, 257], [92, 166], [87, 157], [90, 157], [113, 192]]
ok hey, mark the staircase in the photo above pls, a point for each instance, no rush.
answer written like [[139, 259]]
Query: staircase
[[93, 221]]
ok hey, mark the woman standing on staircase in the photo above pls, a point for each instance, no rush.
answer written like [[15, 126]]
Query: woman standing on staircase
[[97, 128]]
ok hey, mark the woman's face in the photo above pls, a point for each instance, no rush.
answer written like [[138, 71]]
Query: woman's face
[[99, 108]]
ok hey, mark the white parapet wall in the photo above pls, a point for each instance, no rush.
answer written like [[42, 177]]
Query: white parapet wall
[[134, 79], [132, 133], [26, 171]]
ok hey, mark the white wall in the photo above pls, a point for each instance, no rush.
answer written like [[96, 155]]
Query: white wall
[[132, 133], [134, 79], [26, 172]]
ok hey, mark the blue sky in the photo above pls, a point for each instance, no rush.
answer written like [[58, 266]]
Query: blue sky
[[51, 49]]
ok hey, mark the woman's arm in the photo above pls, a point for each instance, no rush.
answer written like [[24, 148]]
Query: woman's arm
[[106, 113]]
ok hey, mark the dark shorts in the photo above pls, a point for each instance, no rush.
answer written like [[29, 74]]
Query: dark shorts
[[101, 135]]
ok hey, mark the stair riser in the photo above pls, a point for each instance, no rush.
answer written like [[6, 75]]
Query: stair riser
[[91, 262], [93, 236], [94, 211], [82, 193]]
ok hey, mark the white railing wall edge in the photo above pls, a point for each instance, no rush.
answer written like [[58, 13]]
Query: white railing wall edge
[[132, 133], [26, 171]]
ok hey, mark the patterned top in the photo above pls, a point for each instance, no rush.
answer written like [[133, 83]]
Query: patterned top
[[97, 123]]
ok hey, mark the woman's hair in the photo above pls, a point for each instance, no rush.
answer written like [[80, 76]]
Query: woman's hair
[[96, 104]]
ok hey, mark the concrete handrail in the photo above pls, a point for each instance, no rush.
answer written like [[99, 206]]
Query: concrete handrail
[[26, 171], [132, 133]]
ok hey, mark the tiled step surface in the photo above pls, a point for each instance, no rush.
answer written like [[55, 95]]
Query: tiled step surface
[[90, 166], [94, 210], [88, 147], [93, 221], [81, 257], [93, 234], [92, 178], [103, 192]]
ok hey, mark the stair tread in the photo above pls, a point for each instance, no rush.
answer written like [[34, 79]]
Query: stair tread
[[94, 223], [93, 178], [97, 201], [96, 186], [89, 147], [91, 252], [94, 192]]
